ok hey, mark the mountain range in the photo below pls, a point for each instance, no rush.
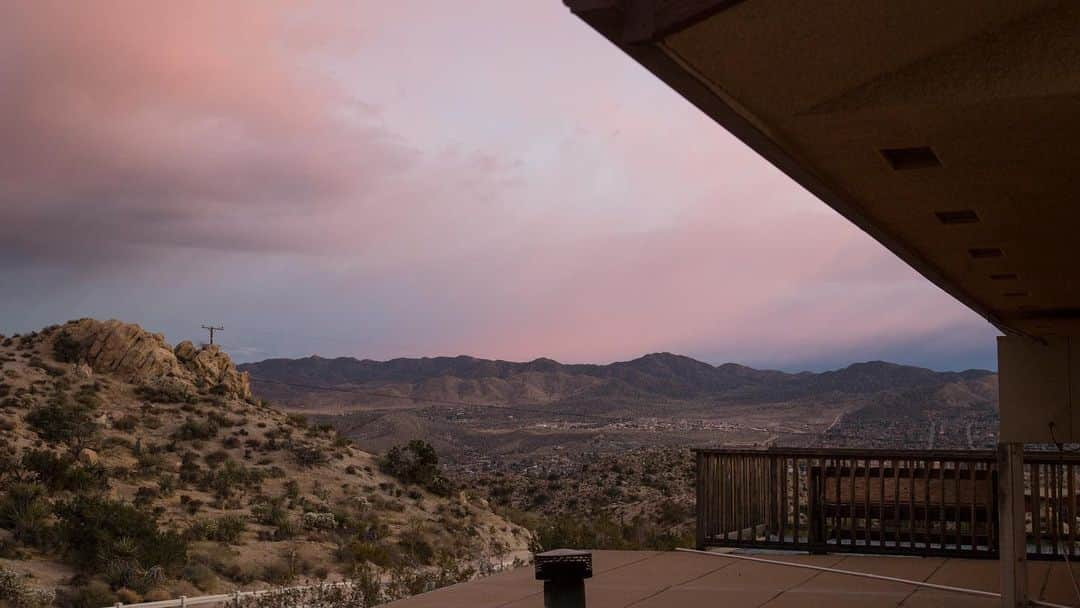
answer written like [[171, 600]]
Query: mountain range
[[659, 376]]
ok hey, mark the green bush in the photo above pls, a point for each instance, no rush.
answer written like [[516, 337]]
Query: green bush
[[416, 546], [167, 392], [25, 510], [360, 552], [192, 430], [60, 420], [230, 477], [309, 456], [60, 473], [96, 530], [126, 423], [66, 349], [417, 463], [225, 529]]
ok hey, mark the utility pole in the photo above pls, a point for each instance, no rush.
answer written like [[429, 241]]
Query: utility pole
[[212, 329]]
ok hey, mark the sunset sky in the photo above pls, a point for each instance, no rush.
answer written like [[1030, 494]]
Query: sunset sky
[[417, 178]]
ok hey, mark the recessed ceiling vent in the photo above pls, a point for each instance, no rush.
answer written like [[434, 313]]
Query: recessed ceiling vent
[[983, 253], [1005, 276], [906, 159], [960, 216]]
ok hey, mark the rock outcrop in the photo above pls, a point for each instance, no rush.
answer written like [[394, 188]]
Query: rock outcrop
[[135, 355]]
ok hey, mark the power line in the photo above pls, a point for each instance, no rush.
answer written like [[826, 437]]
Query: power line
[[212, 329]]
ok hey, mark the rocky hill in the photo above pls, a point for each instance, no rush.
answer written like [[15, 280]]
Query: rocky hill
[[130, 470], [660, 376]]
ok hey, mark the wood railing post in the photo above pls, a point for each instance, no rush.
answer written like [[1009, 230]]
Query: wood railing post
[[699, 501], [816, 532], [1012, 539]]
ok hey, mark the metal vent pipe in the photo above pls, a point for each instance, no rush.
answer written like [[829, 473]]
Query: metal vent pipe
[[564, 572]]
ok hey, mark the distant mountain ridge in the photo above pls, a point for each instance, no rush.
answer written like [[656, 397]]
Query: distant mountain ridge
[[657, 375]]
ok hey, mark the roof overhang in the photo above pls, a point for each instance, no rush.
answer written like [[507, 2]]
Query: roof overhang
[[948, 131]]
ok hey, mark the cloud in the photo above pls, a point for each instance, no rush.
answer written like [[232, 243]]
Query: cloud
[[412, 179], [197, 126]]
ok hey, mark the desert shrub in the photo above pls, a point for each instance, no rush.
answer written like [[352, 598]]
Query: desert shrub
[[214, 459], [191, 505], [166, 485], [61, 473], [167, 391], [96, 530], [51, 370], [416, 463], [190, 471], [60, 420], [201, 576], [193, 429], [319, 521], [309, 456], [362, 552], [25, 510], [225, 529], [221, 420], [129, 577], [127, 596], [274, 472], [94, 594], [415, 545], [126, 423], [149, 461], [145, 495], [270, 512], [14, 592], [65, 348], [298, 420], [278, 572], [230, 477]]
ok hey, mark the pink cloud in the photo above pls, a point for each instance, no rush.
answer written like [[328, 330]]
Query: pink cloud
[[411, 178]]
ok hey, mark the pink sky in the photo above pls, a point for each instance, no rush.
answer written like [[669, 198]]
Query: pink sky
[[490, 178]]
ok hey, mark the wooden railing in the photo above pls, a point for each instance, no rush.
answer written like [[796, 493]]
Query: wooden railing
[[879, 501]]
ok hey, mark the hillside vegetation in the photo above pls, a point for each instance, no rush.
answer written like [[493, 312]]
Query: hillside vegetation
[[132, 470]]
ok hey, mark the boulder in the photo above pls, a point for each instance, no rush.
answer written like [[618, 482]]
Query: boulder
[[122, 349], [137, 356], [185, 351], [216, 368]]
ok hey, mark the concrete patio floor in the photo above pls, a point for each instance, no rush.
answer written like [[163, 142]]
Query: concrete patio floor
[[645, 579]]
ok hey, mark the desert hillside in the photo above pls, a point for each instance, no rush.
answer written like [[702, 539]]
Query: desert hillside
[[133, 470]]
